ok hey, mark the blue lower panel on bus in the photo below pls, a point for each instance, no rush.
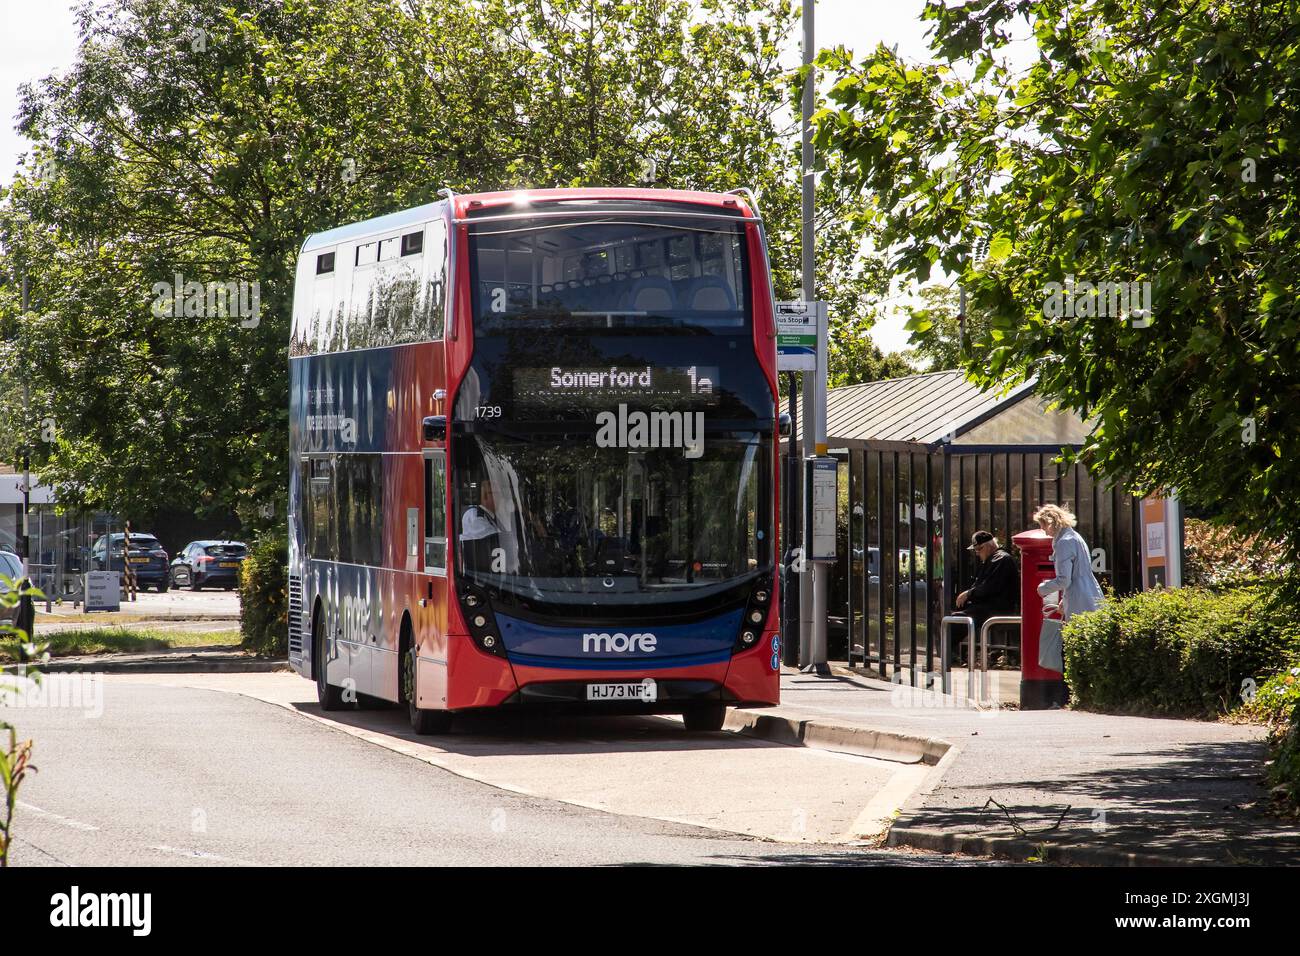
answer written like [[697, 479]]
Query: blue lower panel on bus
[[620, 647]]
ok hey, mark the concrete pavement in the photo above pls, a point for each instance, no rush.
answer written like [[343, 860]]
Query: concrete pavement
[[1079, 787], [636, 766], [172, 774], [1083, 787]]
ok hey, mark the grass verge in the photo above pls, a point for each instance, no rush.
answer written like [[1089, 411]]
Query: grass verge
[[116, 640]]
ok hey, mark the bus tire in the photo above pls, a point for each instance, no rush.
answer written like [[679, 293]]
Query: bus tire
[[704, 717], [423, 722], [329, 696]]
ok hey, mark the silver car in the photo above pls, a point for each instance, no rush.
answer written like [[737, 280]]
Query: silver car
[[11, 566]]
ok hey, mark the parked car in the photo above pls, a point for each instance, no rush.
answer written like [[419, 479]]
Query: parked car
[[11, 566], [147, 558], [202, 564]]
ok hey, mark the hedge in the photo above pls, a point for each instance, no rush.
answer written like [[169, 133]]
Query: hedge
[[1276, 703], [1183, 652], [264, 597]]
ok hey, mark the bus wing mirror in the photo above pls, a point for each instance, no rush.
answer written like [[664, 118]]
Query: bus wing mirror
[[435, 428], [784, 426]]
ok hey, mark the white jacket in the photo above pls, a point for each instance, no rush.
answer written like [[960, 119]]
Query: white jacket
[[1074, 576]]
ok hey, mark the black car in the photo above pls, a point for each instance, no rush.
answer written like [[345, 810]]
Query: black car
[[147, 558], [208, 563]]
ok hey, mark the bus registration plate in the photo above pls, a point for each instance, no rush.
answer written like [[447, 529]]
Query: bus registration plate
[[644, 690]]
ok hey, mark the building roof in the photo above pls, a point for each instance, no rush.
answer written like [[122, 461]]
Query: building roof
[[935, 408]]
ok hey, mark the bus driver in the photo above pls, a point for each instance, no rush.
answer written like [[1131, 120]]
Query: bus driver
[[480, 531]]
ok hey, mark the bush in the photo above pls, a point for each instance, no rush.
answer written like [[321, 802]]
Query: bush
[[1182, 652], [1277, 704], [1222, 556], [264, 597]]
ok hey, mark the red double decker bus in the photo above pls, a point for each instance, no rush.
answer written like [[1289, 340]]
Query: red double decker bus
[[534, 457]]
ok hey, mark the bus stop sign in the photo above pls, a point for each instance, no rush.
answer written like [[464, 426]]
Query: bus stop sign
[[796, 335], [821, 498]]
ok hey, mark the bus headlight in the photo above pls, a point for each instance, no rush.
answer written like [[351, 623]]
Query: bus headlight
[[477, 610], [756, 612]]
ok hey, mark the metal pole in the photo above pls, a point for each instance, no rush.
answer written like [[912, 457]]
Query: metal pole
[[809, 256], [790, 596], [821, 572], [26, 608]]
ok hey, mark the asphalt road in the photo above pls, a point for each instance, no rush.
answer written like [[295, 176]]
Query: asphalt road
[[176, 775]]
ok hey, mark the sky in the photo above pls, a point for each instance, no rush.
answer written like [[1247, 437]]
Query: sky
[[38, 37]]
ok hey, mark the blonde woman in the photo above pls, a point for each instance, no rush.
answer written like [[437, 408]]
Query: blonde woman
[[1073, 563]]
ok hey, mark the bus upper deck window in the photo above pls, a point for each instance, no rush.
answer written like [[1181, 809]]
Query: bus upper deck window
[[412, 243]]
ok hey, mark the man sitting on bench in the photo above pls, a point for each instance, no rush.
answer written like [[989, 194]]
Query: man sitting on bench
[[996, 590]]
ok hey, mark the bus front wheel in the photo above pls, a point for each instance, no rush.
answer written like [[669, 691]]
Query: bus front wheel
[[705, 717], [423, 722], [329, 696]]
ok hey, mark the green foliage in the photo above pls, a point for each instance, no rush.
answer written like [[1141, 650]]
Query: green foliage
[[209, 137], [15, 763], [1182, 652], [1275, 700], [264, 596], [15, 754], [936, 327], [1276, 704], [853, 358], [115, 640], [1145, 143], [1284, 771]]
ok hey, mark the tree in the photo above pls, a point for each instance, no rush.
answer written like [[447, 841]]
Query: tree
[[936, 326], [1135, 186], [205, 139]]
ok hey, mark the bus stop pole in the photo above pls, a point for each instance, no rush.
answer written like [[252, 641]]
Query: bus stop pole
[[808, 239], [793, 527], [812, 583], [821, 570]]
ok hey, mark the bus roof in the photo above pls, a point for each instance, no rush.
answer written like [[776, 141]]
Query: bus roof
[[485, 202], [482, 202]]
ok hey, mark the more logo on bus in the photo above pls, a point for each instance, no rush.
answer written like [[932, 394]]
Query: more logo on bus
[[619, 643]]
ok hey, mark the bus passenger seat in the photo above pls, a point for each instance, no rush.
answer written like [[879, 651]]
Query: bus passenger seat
[[709, 294], [652, 294]]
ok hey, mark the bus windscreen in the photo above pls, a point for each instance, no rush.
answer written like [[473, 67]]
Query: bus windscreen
[[552, 519], [619, 271]]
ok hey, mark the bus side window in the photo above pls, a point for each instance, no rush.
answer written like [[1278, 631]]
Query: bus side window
[[435, 295], [319, 513], [435, 512]]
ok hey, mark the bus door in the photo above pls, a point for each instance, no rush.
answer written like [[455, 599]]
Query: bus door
[[430, 615]]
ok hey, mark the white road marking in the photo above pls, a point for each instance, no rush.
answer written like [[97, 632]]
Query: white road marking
[[66, 821], [202, 855], [79, 825], [878, 815]]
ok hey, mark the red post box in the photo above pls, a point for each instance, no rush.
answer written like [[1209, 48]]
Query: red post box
[[1040, 688]]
